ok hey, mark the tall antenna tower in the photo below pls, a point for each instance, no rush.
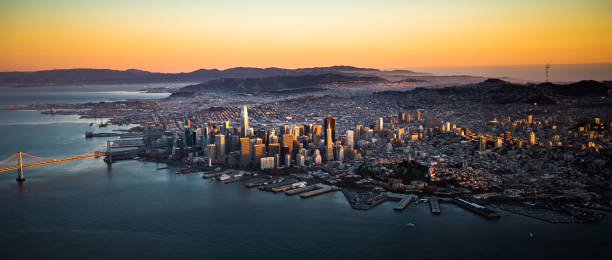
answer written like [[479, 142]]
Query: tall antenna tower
[[547, 67]]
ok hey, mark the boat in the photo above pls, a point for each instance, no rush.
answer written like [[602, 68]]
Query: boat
[[410, 225], [531, 235], [90, 124], [224, 177]]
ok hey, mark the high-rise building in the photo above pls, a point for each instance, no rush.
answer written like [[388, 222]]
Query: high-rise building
[[245, 147], [380, 124], [328, 138], [482, 143], [330, 122], [266, 163], [273, 149], [244, 127], [418, 115], [530, 119], [350, 139], [508, 135], [499, 143], [211, 151], [317, 131], [532, 138], [259, 150], [299, 160], [288, 141], [220, 144]]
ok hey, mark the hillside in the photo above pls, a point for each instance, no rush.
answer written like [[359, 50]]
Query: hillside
[[133, 76], [277, 83]]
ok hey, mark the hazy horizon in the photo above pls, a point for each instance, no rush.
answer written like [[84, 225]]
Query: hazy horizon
[[176, 36]]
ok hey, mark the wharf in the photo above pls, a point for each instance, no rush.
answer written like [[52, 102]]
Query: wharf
[[434, 204], [215, 174], [282, 187], [322, 189], [404, 202], [258, 182], [478, 209], [300, 190], [271, 186]]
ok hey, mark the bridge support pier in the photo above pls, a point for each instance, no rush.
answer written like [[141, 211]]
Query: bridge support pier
[[20, 177]]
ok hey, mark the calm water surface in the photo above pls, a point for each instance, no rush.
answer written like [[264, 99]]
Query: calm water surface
[[84, 209]]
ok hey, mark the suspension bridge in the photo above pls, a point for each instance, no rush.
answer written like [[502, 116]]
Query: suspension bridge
[[20, 160], [35, 161]]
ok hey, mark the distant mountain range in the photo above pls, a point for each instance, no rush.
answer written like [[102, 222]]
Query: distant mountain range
[[133, 76], [277, 83]]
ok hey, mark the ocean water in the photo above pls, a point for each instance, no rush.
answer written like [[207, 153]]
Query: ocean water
[[86, 209]]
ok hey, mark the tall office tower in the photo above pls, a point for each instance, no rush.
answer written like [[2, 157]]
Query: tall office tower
[[287, 160], [482, 143], [499, 143], [245, 147], [284, 129], [408, 118], [530, 119], [316, 133], [380, 124], [273, 139], [295, 131], [400, 134], [340, 156], [330, 122], [358, 132], [597, 121], [288, 141], [328, 137], [259, 150], [448, 127], [316, 158], [532, 138], [418, 115], [266, 163], [220, 144], [350, 138], [188, 124], [244, 127], [507, 135], [211, 151], [273, 149], [299, 160], [402, 117], [307, 129], [226, 127]]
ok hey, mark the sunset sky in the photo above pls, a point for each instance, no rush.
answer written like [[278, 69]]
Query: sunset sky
[[173, 36]]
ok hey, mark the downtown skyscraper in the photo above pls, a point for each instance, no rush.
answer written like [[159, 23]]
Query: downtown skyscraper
[[244, 118]]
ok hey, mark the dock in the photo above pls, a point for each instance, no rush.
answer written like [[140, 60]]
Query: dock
[[282, 187], [434, 204], [478, 209], [300, 190], [258, 182], [403, 203], [214, 174], [270, 186], [321, 190]]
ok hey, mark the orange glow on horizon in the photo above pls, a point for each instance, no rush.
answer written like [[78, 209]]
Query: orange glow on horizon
[[183, 36]]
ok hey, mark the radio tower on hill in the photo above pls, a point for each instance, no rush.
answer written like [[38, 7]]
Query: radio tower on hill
[[547, 67]]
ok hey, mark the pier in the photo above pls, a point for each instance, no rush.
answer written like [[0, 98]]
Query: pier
[[478, 209], [321, 190], [258, 182], [434, 204], [300, 190], [404, 200]]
